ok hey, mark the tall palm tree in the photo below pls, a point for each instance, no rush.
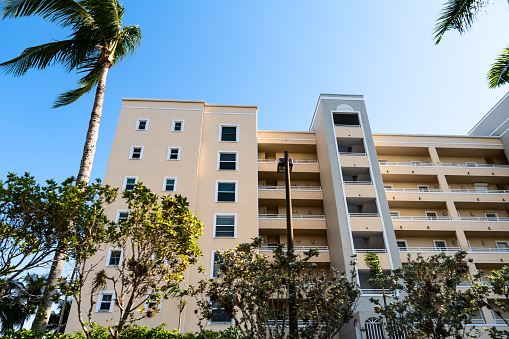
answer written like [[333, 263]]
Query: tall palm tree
[[98, 41], [460, 15]]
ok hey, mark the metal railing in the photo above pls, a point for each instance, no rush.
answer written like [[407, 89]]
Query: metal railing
[[363, 214], [352, 153], [370, 250], [357, 182], [274, 161], [420, 218], [477, 321], [294, 188], [429, 249], [489, 250], [377, 291], [275, 322], [417, 190], [485, 219], [294, 216], [474, 191], [345, 125], [472, 165], [500, 321], [297, 248], [389, 163]]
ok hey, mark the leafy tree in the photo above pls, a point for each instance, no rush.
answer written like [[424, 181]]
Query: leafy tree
[[158, 242], [460, 15], [427, 301], [97, 42], [253, 289]]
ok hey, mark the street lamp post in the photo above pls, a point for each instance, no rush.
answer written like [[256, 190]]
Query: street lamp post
[[285, 165]]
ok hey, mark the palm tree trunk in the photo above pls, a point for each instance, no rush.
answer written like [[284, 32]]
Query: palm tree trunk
[[87, 159]]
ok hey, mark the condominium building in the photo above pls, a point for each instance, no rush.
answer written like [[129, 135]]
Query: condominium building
[[353, 191]]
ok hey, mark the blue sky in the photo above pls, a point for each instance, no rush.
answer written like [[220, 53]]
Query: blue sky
[[278, 55]]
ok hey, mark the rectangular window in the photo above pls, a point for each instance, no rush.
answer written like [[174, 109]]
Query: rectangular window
[[130, 183], [122, 216], [216, 265], [226, 192], [177, 126], [394, 214], [114, 257], [503, 246], [388, 187], [415, 163], [153, 302], [423, 188], [491, 216], [382, 162], [402, 246], [431, 215], [141, 124], [224, 226], [219, 315], [440, 245], [170, 184], [228, 133], [471, 164], [173, 153], [481, 186], [136, 152], [227, 161], [105, 303]]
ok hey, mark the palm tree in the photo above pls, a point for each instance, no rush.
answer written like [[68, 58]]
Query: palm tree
[[98, 41], [460, 15]]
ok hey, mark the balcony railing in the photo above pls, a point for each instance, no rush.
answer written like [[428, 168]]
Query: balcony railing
[[485, 219], [453, 164], [274, 161], [357, 182], [345, 125], [415, 164], [376, 291], [351, 153], [370, 250], [413, 190], [363, 214], [489, 250], [457, 190], [294, 188], [294, 216], [420, 218], [500, 321], [297, 248], [429, 249]]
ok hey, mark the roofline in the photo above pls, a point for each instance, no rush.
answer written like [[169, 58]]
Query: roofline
[[486, 115], [334, 96], [188, 101], [438, 135]]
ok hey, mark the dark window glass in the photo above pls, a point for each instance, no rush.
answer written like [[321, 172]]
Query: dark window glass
[[226, 191], [227, 161], [229, 133], [115, 257], [225, 226], [106, 302], [142, 124], [170, 185], [130, 182]]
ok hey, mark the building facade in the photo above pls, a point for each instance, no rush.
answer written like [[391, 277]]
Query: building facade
[[353, 191]]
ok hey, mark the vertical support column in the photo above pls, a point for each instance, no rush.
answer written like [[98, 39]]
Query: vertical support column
[[453, 212], [442, 181], [434, 156], [462, 240]]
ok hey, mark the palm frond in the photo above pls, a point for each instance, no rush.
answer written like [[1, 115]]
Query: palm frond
[[107, 16], [499, 72], [62, 12], [129, 39], [458, 15]]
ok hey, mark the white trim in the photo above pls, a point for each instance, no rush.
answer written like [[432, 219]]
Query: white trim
[[136, 128], [174, 184], [109, 256], [228, 125], [212, 264], [234, 225], [488, 212], [99, 301], [132, 150], [445, 143], [164, 108], [438, 247], [288, 139], [229, 113], [228, 152], [502, 241], [182, 122], [129, 177], [401, 240], [226, 182], [169, 152], [488, 114], [428, 218], [118, 214]]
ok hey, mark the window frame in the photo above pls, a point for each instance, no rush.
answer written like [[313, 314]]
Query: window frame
[[234, 225], [219, 139], [129, 177], [117, 218], [236, 182], [99, 301], [438, 247], [173, 122], [416, 163], [212, 264], [111, 249], [502, 248], [227, 152], [169, 153], [404, 241], [131, 153], [470, 163], [137, 127], [146, 303], [430, 218], [496, 218], [394, 214], [174, 184], [423, 188]]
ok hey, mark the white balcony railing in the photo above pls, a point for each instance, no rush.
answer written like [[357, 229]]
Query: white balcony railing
[[274, 161], [363, 214], [420, 218], [294, 216], [352, 153], [357, 182], [473, 191], [297, 248], [429, 249], [414, 190], [345, 125], [414, 164], [376, 291], [370, 250], [294, 188], [485, 219], [453, 164], [489, 250], [500, 321]]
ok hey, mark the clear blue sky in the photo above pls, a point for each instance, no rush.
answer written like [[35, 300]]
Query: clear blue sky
[[278, 55]]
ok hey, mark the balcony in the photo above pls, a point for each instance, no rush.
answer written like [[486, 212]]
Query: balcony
[[484, 219], [410, 163], [420, 218], [357, 182], [293, 188], [370, 250], [413, 190], [429, 249], [471, 165], [473, 191], [363, 215], [296, 248], [295, 216], [274, 161], [488, 250], [299, 166]]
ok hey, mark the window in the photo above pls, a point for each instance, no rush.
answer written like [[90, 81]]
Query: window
[[122, 216], [382, 162], [219, 315], [130, 183], [431, 215], [423, 188], [480, 186], [114, 257], [503, 246], [394, 214], [415, 163], [228, 133], [440, 245], [216, 265], [402, 246], [491, 216], [226, 191], [374, 329], [224, 226], [105, 303], [136, 152], [141, 124], [227, 161], [470, 164], [177, 126], [170, 184], [153, 302], [173, 153], [388, 187]]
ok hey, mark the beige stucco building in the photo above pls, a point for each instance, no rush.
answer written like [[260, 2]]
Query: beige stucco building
[[353, 191]]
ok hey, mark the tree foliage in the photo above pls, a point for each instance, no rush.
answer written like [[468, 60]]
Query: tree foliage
[[253, 289]]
